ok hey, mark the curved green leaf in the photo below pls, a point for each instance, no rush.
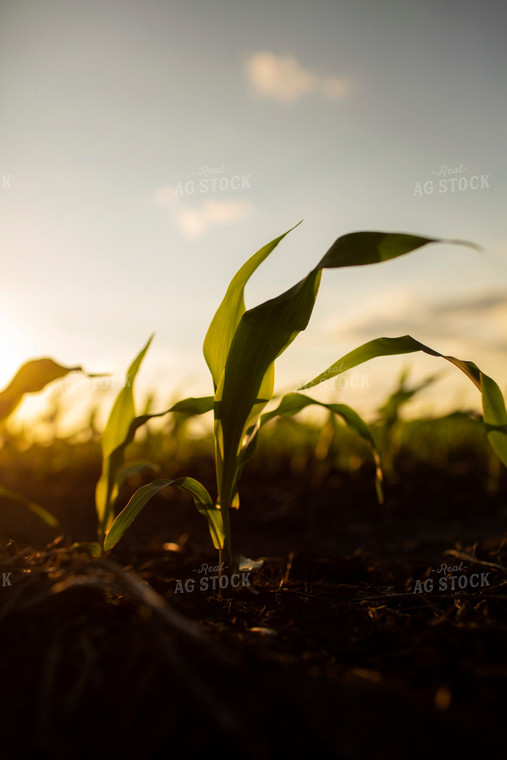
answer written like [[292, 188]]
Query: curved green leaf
[[223, 325], [261, 336], [293, 403], [123, 411], [494, 415], [116, 458], [116, 430], [193, 405], [360, 248], [142, 496], [31, 377]]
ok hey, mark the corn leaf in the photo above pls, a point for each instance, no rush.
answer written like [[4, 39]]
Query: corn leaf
[[360, 248], [188, 406], [223, 325], [45, 516], [142, 496], [494, 414], [123, 411], [30, 378], [193, 406], [262, 334], [112, 476], [115, 432], [292, 403], [390, 410]]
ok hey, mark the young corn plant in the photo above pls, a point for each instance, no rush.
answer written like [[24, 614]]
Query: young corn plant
[[119, 432], [113, 452], [31, 377], [390, 418], [241, 347]]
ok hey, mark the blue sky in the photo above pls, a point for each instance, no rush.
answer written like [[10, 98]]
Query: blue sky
[[338, 113]]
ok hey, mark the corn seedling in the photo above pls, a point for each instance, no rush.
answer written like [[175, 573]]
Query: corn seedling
[[31, 377], [390, 417], [119, 432], [241, 347]]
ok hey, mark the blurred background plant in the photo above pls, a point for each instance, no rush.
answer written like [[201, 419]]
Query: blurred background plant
[[31, 377]]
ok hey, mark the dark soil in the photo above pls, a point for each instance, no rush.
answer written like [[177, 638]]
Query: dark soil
[[328, 653]]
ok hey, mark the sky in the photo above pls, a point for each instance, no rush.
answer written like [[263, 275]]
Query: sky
[[148, 149]]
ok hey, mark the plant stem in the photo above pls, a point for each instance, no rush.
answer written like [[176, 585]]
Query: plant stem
[[227, 542]]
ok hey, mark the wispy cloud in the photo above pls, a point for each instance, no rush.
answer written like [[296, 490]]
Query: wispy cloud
[[193, 221], [491, 303], [283, 79], [480, 319]]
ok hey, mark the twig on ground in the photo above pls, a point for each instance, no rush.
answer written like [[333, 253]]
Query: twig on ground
[[474, 560]]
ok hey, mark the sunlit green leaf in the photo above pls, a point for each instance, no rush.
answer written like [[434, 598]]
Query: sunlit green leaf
[[143, 495], [262, 334], [492, 400], [189, 406], [360, 248], [293, 403], [30, 378], [494, 416], [115, 432], [193, 406], [123, 411], [223, 325]]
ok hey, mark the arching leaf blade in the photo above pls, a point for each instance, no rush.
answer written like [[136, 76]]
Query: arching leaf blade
[[263, 333], [116, 429], [494, 416], [293, 403], [223, 325], [143, 495], [31, 377], [492, 400], [363, 248], [123, 411], [193, 405]]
